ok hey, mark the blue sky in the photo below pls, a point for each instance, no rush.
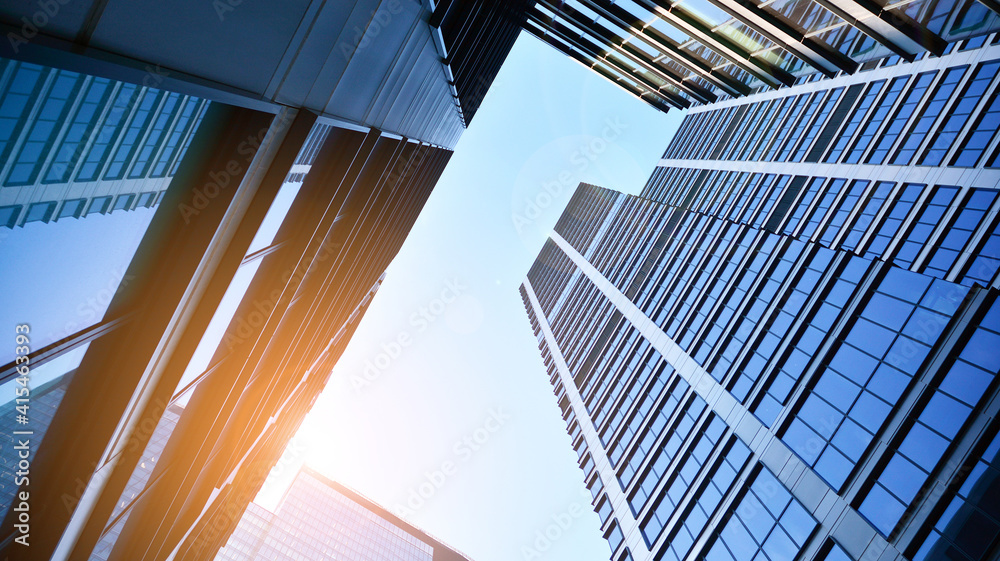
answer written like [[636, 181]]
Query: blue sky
[[440, 408]]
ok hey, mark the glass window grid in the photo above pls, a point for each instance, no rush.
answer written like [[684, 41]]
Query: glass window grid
[[667, 413], [758, 111], [698, 293], [643, 357], [677, 482], [876, 198], [675, 254], [684, 291], [971, 507], [929, 114], [79, 131], [867, 375], [903, 202], [904, 111], [769, 136], [707, 499], [203, 107], [720, 286], [679, 253], [794, 360], [979, 137], [776, 189], [44, 126], [113, 123], [816, 215], [753, 136], [808, 114], [16, 102], [920, 231], [768, 524], [832, 229], [656, 378], [762, 182], [133, 134], [793, 116], [983, 267], [873, 124], [944, 413], [758, 351], [671, 437], [854, 122], [680, 249], [155, 135], [728, 315], [808, 196], [639, 417], [959, 113], [958, 233], [817, 125]]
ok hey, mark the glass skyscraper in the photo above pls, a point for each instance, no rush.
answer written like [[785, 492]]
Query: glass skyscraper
[[786, 346], [198, 202], [688, 53], [320, 519]]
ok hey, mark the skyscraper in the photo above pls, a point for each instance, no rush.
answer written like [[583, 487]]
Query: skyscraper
[[786, 346], [321, 519], [686, 53], [204, 197]]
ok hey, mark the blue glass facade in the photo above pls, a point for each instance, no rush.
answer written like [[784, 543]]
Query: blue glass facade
[[786, 346]]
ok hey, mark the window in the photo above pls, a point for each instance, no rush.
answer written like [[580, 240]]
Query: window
[[79, 131], [93, 163], [900, 118], [959, 113], [40, 212], [874, 123], [844, 207], [145, 200], [767, 520], [43, 128], [925, 225], [99, 205], [942, 417], [857, 118], [123, 202], [875, 202], [869, 373], [964, 224], [72, 209], [154, 135], [23, 88], [818, 124], [973, 507], [133, 135], [928, 115], [980, 135], [8, 215]]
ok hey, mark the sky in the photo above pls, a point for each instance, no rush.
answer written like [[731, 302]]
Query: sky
[[440, 408]]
